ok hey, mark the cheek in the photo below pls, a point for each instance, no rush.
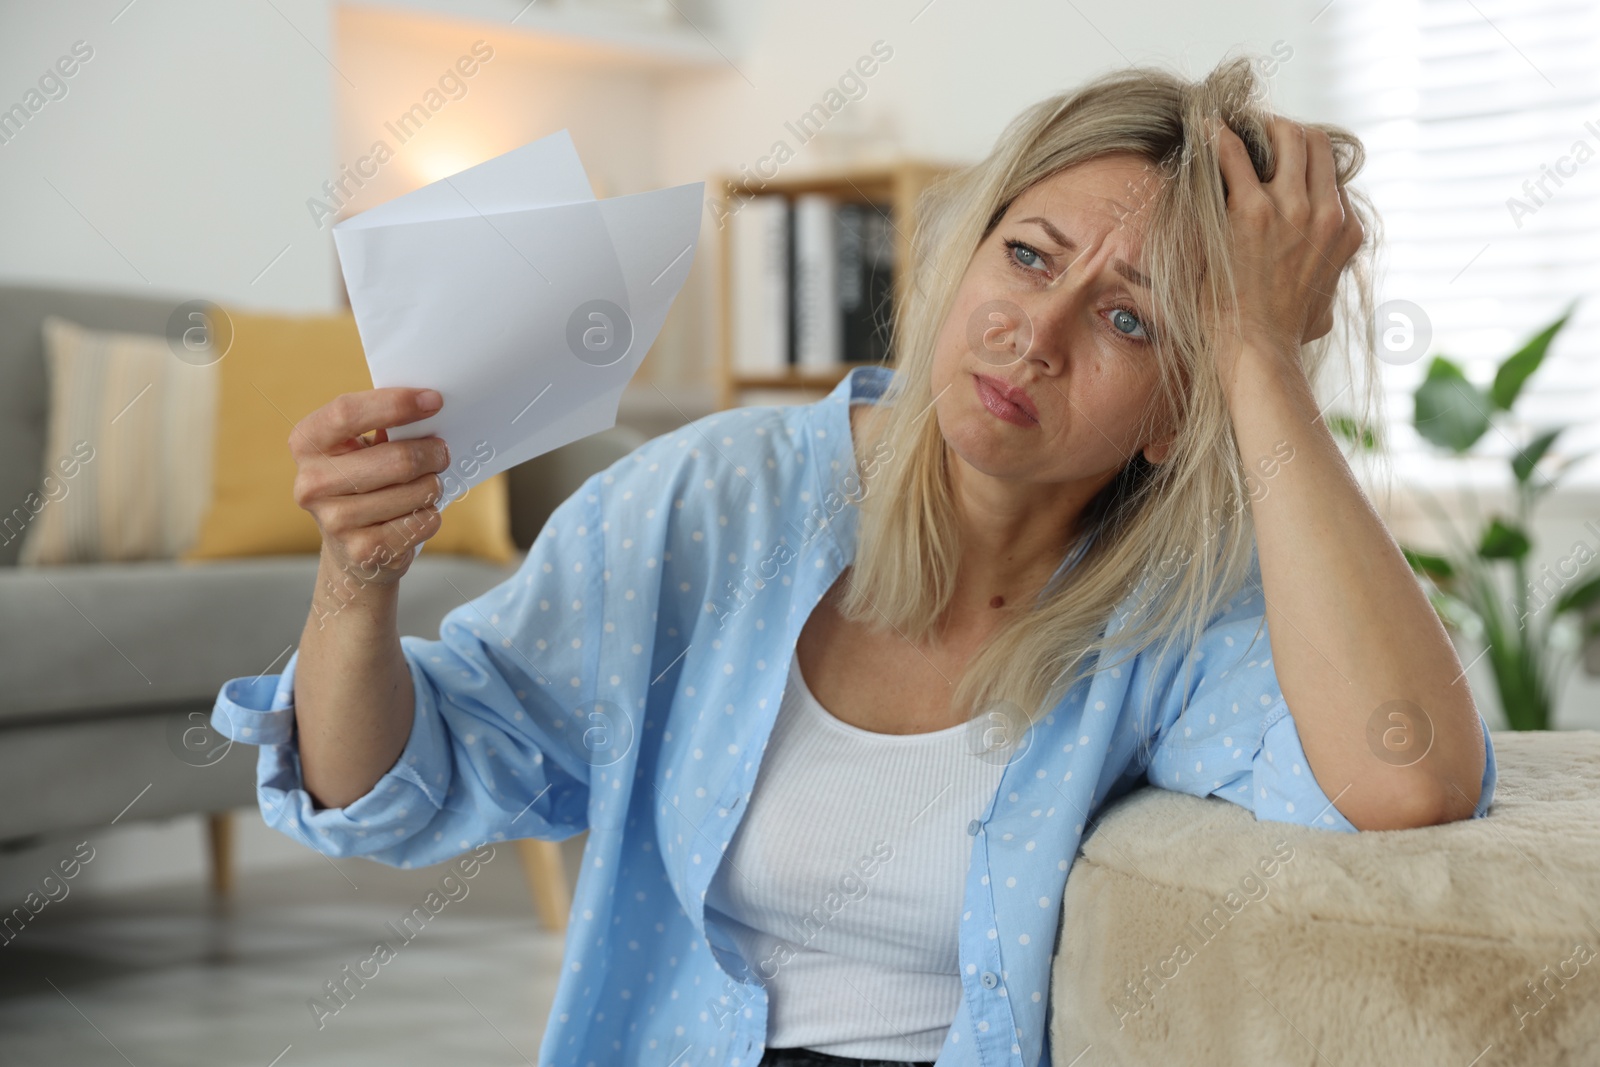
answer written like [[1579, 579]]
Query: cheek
[[951, 346], [1117, 395], [946, 354]]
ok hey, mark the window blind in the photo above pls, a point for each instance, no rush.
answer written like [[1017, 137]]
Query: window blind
[[1482, 125]]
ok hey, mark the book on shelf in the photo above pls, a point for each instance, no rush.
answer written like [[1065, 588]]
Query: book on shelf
[[866, 281], [760, 286], [812, 285], [818, 323]]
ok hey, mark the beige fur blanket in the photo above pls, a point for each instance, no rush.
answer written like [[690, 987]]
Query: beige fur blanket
[[1194, 934]]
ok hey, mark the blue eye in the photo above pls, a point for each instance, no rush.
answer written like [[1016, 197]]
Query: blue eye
[[1015, 250], [1125, 320], [1125, 316]]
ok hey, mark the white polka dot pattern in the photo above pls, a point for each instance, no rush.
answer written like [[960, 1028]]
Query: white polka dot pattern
[[626, 680]]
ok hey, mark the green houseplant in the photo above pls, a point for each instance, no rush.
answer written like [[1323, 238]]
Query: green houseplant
[[1467, 583]]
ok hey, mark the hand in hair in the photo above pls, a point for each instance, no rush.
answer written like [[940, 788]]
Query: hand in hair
[[1292, 237]]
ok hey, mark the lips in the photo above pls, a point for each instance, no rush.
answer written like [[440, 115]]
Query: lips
[[1010, 394]]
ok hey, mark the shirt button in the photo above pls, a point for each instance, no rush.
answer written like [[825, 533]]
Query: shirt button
[[989, 980], [972, 827]]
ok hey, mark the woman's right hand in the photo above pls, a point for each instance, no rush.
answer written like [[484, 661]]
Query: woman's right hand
[[373, 500]]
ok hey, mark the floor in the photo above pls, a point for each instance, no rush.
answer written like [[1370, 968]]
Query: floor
[[174, 978]]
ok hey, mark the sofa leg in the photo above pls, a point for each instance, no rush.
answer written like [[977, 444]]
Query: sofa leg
[[219, 834], [547, 879]]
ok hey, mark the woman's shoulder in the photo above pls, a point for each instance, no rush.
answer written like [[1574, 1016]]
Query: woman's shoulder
[[734, 453], [1235, 620], [784, 448], [688, 511]]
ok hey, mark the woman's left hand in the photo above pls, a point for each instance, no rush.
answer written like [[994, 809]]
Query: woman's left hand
[[1292, 237]]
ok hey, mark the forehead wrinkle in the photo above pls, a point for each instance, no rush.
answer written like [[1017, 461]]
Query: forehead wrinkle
[[1129, 272]]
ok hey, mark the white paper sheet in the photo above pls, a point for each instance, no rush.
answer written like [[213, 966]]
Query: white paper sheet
[[527, 303]]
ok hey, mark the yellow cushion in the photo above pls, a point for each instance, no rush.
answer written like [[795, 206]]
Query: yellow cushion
[[278, 369]]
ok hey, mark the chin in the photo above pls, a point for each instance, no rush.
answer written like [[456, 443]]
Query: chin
[[987, 448]]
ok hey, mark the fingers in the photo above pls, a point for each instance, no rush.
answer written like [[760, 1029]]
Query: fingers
[[341, 516], [1238, 173], [1319, 327], [1351, 231], [389, 544], [337, 426], [1322, 183], [1288, 184], [374, 467]]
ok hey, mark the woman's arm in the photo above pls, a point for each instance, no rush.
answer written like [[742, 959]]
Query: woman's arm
[[373, 503], [1352, 632], [510, 713], [353, 692]]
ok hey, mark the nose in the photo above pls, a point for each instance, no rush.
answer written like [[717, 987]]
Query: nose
[[1004, 332], [1000, 332]]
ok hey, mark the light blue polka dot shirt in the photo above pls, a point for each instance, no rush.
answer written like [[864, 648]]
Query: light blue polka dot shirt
[[626, 680]]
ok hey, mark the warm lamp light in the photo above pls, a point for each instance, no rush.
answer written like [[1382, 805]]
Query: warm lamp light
[[432, 166]]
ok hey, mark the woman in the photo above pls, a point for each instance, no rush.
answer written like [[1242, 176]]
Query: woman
[[836, 688]]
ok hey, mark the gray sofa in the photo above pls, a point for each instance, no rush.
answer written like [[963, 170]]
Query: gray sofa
[[111, 670]]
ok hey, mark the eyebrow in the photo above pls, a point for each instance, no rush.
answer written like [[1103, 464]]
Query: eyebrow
[[1118, 265]]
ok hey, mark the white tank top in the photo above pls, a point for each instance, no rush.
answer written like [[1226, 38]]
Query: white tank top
[[844, 883]]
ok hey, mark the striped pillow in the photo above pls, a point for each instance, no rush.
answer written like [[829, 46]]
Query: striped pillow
[[144, 419]]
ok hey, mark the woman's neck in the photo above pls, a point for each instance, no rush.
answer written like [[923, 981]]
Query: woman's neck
[[1013, 536]]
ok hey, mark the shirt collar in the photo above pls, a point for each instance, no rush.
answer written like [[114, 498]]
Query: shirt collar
[[865, 382], [836, 468]]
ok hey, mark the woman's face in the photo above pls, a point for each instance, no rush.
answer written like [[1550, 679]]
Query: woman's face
[[1053, 306]]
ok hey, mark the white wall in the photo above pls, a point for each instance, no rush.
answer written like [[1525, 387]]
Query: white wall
[[179, 155], [959, 71]]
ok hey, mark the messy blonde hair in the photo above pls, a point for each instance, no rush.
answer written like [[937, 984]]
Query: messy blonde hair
[[1165, 530]]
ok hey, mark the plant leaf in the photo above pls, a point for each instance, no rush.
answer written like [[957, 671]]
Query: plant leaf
[[1450, 411], [1436, 567], [1519, 366], [1523, 462], [1579, 598], [1352, 431], [1501, 540]]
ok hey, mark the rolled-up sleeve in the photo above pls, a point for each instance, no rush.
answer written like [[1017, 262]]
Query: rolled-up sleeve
[[1227, 730], [498, 714]]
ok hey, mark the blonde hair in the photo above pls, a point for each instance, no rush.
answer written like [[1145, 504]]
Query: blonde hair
[[1148, 516]]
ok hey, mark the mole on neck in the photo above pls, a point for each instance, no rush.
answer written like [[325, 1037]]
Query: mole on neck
[[997, 602]]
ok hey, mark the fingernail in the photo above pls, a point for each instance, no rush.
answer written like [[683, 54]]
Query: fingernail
[[430, 400]]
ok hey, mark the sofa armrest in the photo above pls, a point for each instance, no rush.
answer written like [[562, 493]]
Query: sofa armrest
[[1193, 933]]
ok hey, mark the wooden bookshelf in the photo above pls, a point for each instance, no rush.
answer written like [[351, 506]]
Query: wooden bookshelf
[[897, 185]]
